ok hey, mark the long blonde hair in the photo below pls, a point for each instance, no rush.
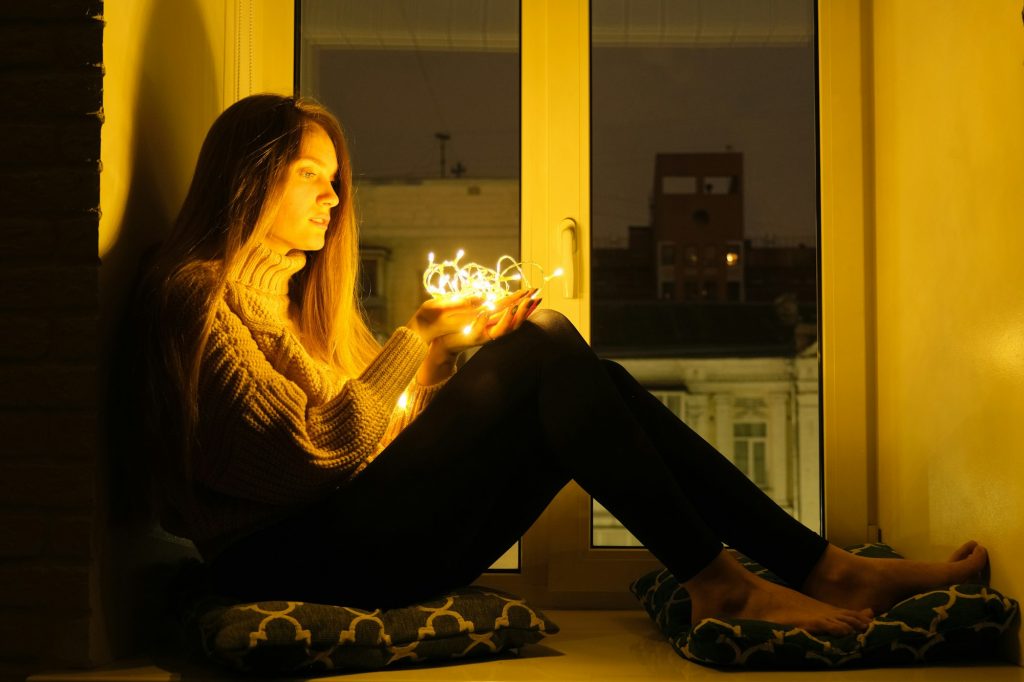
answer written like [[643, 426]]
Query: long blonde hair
[[230, 203]]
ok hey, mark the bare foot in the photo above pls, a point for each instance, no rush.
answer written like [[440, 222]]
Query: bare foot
[[855, 582], [724, 589]]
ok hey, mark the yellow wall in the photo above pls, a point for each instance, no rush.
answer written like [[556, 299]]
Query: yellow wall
[[171, 67], [949, 290]]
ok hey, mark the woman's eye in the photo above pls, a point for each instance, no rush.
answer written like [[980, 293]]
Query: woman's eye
[[308, 174]]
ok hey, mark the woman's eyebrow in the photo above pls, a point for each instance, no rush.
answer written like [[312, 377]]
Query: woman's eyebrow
[[314, 159]]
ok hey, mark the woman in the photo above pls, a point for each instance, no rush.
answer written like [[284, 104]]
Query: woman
[[298, 475]]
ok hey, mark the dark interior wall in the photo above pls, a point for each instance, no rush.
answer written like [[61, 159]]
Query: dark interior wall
[[51, 76]]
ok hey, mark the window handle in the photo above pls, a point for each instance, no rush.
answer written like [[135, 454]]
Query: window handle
[[569, 256]]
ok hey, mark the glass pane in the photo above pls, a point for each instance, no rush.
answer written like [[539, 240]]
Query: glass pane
[[740, 458], [760, 471], [428, 94], [704, 186]]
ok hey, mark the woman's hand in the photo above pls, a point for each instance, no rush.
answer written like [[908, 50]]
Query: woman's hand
[[438, 318], [484, 325], [509, 313]]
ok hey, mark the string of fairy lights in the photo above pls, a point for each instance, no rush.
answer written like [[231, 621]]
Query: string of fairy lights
[[453, 280]]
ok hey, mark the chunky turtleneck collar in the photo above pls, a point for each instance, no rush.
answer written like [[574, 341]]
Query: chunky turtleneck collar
[[268, 271]]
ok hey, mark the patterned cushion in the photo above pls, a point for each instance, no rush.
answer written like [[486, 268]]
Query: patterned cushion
[[302, 638], [961, 621]]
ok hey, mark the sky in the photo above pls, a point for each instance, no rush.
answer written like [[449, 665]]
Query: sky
[[759, 101]]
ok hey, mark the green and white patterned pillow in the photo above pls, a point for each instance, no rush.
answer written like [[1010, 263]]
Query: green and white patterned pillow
[[303, 638], [958, 622]]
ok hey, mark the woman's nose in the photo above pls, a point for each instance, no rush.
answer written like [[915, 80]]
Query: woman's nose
[[329, 197]]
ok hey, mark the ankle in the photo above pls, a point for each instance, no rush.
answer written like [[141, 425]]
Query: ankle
[[721, 587], [835, 567]]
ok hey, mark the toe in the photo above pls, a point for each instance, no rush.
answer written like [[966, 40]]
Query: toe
[[835, 626], [856, 623]]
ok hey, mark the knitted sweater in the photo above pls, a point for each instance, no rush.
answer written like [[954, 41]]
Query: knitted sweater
[[277, 428]]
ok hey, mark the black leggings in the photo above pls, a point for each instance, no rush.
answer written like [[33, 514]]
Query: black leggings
[[468, 477]]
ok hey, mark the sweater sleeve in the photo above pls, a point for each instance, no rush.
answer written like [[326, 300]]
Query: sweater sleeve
[[417, 397], [260, 436]]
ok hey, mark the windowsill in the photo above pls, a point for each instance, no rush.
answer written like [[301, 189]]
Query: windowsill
[[592, 645]]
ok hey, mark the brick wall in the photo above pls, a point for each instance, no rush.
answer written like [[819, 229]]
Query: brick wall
[[51, 79]]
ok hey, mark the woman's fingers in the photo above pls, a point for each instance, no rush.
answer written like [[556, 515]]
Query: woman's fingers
[[513, 299], [525, 310], [477, 329], [501, 327], [513, 317]]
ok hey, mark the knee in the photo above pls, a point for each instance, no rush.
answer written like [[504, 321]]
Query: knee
[[553, 323], [559, 337], [614, 369]]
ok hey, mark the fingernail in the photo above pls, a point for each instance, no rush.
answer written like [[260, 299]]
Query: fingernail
[[514, 309]]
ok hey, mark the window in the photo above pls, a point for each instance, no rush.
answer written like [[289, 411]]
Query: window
[[675, 184], [556, 107], [711, 290], [668, 253], [732, 291], [719, 185], [679, 116], [373, 288], [749, 444]]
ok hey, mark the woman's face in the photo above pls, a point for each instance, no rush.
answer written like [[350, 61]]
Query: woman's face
[[307, 197]]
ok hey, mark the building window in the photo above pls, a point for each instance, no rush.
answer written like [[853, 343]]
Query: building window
[[691, 255], [668, 290], [749, 448], [711, 290], [690, 290], [668, 253], [679, 184], [720, 184], [372, 285], [732, 291], [732, 256]]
